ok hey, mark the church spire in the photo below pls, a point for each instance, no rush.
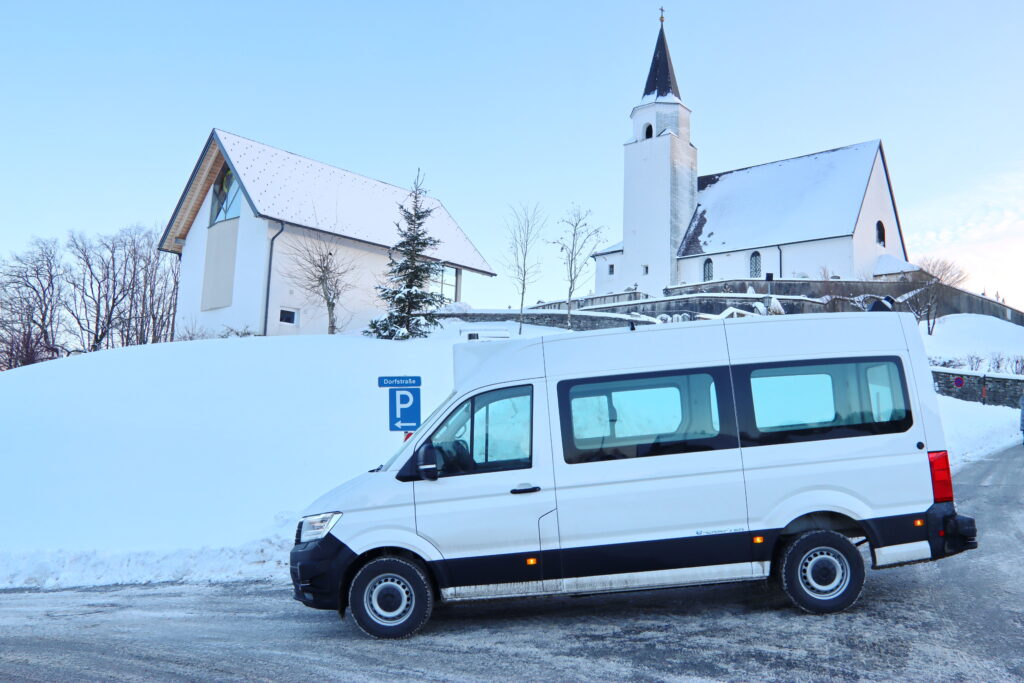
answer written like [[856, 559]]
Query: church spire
[[661, 79]]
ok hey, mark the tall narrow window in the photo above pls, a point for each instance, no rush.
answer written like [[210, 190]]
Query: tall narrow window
[[611, 269], [880, 233], [444, 283], [227, 196], [649, 131], [709, 270], [755, 264]]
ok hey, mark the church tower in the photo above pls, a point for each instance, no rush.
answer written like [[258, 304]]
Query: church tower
[[660, 189]]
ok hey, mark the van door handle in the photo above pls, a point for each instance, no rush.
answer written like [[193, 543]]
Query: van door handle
[[525, 489]]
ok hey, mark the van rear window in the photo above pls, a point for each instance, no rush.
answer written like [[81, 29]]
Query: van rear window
[[809, 400], [609, 418]]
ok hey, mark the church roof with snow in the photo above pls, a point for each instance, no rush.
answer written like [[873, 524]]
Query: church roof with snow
[[807, 198], [282, 186]]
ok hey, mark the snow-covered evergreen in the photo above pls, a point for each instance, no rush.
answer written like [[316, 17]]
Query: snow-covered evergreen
[[410, 303]]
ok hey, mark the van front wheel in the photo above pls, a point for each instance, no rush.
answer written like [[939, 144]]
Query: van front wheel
[[390, 597], [822, 572]]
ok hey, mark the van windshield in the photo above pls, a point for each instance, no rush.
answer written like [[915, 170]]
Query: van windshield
[[391, 461]]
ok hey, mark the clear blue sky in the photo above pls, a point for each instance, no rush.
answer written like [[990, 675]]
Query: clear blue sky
[[106, 105]]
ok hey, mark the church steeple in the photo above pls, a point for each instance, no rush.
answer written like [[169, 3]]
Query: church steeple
[[661, 79]]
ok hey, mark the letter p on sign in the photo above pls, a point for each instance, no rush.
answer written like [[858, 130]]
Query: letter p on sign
[[404, 409]]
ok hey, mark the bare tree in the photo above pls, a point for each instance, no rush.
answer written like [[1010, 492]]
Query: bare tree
[[926, 302], [33, 294], [147, 313], [523, 229], [318, 266], [99, 279], [578, 240]]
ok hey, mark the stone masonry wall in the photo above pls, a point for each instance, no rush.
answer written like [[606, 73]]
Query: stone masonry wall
[[580, 321], [978, 387]]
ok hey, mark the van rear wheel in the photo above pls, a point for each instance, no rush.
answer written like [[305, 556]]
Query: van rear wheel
[[391, 597], [822, 572]]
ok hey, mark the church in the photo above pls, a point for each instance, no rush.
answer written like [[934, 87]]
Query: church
[[822, 216], [247, 213]]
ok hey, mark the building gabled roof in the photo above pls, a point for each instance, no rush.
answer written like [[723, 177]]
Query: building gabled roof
[[282, 186], [661, 79], [807, 198]]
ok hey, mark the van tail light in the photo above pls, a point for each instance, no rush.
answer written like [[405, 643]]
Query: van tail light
[[942, 479]]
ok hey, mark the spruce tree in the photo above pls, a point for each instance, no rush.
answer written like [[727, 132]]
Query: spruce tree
[[410, 304]]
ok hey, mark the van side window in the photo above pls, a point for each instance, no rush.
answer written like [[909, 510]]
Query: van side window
[[825, 399], [633, 416], [490, 432]]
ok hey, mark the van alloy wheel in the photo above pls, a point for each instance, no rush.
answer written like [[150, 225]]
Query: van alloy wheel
[[391, 597], [822, 572]]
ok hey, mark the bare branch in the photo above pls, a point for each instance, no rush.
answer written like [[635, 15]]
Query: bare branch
[[523, 229], [578, 241], [319, 267]]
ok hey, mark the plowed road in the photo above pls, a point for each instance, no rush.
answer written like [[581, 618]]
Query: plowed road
[[958, 619]]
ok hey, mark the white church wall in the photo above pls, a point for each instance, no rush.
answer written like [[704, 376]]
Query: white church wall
[[247, 287], [878, 206], [610, 283], [360, 304], [796, 261]]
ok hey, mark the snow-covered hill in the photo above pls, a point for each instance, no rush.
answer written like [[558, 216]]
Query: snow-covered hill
[[192, 460], [958, 336], [126, 465]]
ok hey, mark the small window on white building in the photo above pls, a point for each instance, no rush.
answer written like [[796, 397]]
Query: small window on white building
[[649, 132], [445, 283], [880, 233], [709, 270], [755, 264], [289, 316], [646, 269], [611, 269]]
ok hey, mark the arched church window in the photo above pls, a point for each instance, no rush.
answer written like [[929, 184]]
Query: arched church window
[[649, 131], [709, 270], [880, 233], [755, 264]]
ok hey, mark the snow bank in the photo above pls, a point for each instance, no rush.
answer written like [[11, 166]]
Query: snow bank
[[974, 431], [192, 460], [957, 336]]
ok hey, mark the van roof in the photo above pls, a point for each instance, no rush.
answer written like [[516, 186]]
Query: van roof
[[478, 364]]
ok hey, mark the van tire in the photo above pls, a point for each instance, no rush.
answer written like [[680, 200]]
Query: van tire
[[391, 597], [822, 572]]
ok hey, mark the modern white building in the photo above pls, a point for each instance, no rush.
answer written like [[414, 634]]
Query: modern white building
[[248, 206], [820, 216]]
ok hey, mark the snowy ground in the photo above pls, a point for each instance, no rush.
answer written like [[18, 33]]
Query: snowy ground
[[959, 619], [132, 465], [958, 336]]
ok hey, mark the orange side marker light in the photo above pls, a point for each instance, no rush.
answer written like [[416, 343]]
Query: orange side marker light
[[531, 561], [758, 539], [918, 522]]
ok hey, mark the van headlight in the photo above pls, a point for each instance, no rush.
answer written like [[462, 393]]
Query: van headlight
[[316, 527]]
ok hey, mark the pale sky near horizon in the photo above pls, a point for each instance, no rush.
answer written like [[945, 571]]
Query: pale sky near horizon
[[106, 107]]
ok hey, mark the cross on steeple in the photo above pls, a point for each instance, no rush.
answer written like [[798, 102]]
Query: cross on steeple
[[662, 19]]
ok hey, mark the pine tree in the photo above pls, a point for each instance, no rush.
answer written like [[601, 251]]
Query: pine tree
[[410, 304]]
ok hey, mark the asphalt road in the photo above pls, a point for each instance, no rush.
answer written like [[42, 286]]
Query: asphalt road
[[958, 619]]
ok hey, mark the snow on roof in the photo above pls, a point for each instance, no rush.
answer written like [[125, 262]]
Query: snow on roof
[[608, 250], [887, 264], [290, 188], [795, 200], [287, 187]]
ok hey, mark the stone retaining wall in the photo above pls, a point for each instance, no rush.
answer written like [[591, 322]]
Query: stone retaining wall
[[580, 321], [978, 387]]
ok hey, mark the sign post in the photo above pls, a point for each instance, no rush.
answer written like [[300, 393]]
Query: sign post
[[403, 402]]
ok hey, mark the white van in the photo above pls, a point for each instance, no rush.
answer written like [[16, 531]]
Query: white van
[[671, 455]]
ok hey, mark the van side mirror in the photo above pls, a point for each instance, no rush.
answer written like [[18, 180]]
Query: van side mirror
[[426, 461]]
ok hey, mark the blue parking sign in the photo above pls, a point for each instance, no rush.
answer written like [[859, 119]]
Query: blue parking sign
[[404, 409]]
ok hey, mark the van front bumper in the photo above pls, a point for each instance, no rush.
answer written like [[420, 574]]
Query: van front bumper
[[317, 570]]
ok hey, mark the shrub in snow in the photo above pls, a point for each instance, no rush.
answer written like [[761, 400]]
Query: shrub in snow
[[973, 361], [775, 308], [410, 305], [996, 362]]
